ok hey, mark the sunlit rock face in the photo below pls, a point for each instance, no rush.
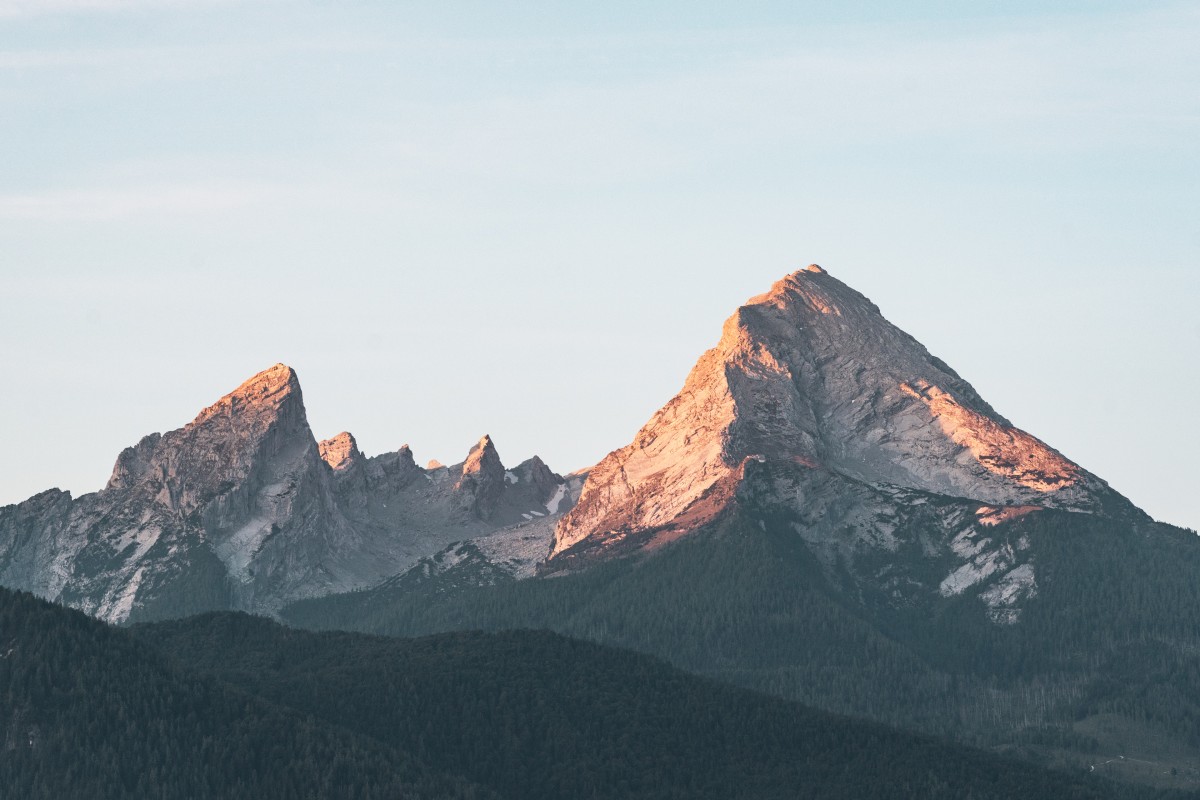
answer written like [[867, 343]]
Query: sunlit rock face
[[232, 510], [481, 480], [340, 452], [243, 508], [810, 373]]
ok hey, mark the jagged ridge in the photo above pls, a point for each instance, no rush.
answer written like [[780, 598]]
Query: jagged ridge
[[242, 508]]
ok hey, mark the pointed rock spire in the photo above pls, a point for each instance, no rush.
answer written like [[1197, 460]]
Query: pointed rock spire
[[262, 419], [482, 458], [482, 479], [275, 377], [541, 476], [241, 489], [269, 390]]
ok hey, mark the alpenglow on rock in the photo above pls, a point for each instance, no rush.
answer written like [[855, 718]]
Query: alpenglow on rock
[[233, 509], [242, 508], [811, 374]]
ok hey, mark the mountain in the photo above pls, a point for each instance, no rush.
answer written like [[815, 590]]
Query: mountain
[[1088, 678], [243, 509], [829, 513], [233, 706], [825, 512], [91, 712], [533, 715], [817, 406], [810, 383]]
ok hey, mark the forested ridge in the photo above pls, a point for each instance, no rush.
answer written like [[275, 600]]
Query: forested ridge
[[232, 706], [1112, 637], [534, 715], [89, 711]]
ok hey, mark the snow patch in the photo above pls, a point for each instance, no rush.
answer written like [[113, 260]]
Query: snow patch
[[979, 569], [511, 477], [238, 551], [992, 516], [966, 546], [553, 503], [1017, 584], [118, 609], [144, 537]]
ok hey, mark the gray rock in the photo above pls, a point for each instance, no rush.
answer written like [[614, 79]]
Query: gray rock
[[481, 481], [242, 508]]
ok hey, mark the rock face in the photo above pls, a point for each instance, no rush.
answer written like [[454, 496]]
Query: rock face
[[810, 384], [513, 552], [243, 508], [232, 510], [340, 452], [481, 480], [435, 507]]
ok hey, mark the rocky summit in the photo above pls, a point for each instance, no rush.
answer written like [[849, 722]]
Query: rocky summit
[[242, 508], [813, 404]]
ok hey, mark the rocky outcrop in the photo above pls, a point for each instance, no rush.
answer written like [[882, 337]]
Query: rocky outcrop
[[543, 483], [36, 545], [340, 453], [421, 511], [481, 481], [810, 375]]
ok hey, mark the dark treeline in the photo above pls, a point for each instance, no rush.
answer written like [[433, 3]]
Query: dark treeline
[[1113, 631], [232, 706], [534, 715], [87, 711]]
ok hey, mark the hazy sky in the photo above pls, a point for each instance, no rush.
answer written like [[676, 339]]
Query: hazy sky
[[529, 219]]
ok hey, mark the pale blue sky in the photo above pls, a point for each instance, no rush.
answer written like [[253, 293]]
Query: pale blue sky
[[530, 219]]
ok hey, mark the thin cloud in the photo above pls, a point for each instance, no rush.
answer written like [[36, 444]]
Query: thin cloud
[[30, 8], [105, 205], [168, 62], [1047, 89]]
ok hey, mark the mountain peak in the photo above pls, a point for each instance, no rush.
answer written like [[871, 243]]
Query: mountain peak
[[482, 479], [266, 391], [340, 451], [483, 458], [279, 377], [812, 373], [811, 290]]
